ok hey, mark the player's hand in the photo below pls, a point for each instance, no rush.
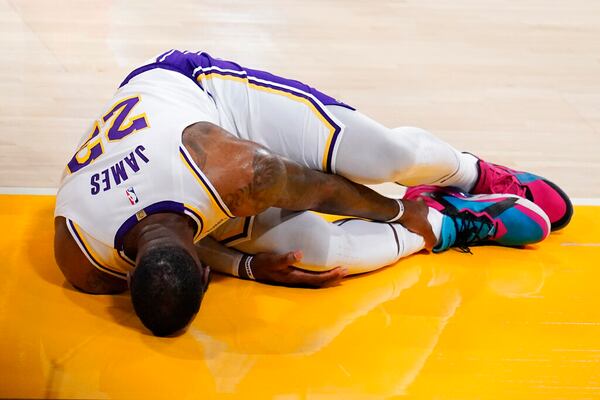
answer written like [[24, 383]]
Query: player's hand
[[415, 220], [279, 269]]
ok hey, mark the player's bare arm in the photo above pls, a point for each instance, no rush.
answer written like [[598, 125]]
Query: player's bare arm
[[266, 267], [154, 231], [250, 179], [78, 270]]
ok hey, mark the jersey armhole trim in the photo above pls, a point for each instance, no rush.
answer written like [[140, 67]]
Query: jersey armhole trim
[[243, 236], [89, 253], [203, 181], [159, 207], [121, 254], [196, 215]]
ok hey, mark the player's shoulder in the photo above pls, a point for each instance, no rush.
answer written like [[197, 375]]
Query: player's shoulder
[[76, 267], [246, 175]]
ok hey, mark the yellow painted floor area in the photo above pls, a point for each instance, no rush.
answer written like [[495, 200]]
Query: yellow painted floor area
[[499, 324]]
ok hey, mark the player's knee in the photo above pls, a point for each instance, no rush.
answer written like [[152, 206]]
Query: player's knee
[[419, 148], [412, 138], [394, 156]]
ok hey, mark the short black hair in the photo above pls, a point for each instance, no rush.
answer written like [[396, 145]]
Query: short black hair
[[166, 289]]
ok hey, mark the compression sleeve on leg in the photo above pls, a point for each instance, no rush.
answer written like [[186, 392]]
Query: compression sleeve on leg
[[369, 152], [356, 244]]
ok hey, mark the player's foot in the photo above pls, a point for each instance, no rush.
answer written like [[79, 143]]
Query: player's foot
[[549, 197], [505, 219]]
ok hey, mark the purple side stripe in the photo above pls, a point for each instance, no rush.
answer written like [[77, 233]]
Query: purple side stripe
[[336, 127], [155, 65], [396, 239], [206, 61], [186, 63]]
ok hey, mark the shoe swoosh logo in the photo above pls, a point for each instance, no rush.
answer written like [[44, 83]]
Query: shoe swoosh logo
[[498, 208], [493, 210]]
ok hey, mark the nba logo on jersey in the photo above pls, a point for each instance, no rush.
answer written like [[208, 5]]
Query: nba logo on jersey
[[131, 195]]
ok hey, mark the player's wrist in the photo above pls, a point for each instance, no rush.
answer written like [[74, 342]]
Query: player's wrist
[[244, 269], [399, 213]]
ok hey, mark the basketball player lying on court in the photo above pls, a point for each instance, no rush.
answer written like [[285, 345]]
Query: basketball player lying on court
[[195, 147]]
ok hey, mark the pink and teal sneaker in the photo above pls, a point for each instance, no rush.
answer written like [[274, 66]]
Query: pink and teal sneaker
[[505, 219], [549, 197]]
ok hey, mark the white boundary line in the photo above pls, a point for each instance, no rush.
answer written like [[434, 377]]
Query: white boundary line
[[586, 202], [578, 201], [27, 190]]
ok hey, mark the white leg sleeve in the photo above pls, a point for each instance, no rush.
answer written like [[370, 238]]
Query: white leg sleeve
[[370, 153], [356, 244]]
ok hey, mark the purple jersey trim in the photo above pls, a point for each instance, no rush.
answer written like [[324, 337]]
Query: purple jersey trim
[[199, 217], [206, 184], [244, 234], [199, 222], [152, 66], [90, 255], [336, 128], [188, 64], [193, 65], [204, 60], [124, 257], [162, 206]]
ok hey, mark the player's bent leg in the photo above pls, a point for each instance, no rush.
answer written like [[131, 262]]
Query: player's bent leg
[[369, 152], [358, 245], [303, 124]]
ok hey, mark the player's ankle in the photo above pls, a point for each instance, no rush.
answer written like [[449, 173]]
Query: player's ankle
[[469, 171]]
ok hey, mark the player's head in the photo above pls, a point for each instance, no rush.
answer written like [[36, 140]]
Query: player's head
[[167, 286]]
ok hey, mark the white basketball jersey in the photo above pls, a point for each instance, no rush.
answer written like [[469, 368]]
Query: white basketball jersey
[[132, 164]]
